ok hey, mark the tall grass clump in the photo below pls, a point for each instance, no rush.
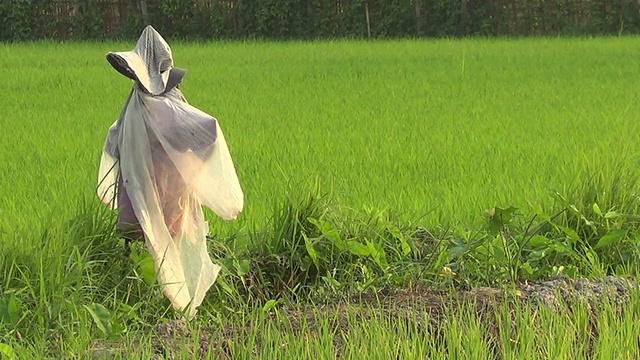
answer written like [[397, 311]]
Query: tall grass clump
[[72, 283], [311, 249]]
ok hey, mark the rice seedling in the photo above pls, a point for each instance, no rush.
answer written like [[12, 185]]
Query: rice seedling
[[366, 166]]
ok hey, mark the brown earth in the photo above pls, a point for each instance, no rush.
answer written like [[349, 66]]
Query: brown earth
[[424, 308]]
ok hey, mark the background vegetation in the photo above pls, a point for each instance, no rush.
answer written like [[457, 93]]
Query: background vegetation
[[314, 19]]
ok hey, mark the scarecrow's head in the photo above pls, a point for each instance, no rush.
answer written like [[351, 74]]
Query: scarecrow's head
[[150, 63]]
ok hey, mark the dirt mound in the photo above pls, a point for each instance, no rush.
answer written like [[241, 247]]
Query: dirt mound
[[423, 307], [562, 290]]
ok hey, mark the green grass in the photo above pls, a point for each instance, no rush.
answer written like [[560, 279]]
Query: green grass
[[455, 126], [356, 332], [390, 135]]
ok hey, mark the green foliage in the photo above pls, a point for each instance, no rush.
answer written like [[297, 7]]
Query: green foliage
[[280, 261], [316, 19], [87, 22], [143, 264], [7, 351], [311, 251], [392, 138], [276, 19], [461, 330], [515, 251], [392, 19], [181, 19], [26, 20], [104, 320], [399, 156], [55, 285], [10, 310]]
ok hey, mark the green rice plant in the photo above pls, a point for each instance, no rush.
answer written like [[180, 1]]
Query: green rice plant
[[397, 124], [365, 165], [462, 331], [281, 261], [62, 287], [617, 332], [465, 334]]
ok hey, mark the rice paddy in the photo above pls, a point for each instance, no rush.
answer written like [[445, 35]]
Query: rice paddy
[[433, 132], [450, 126]]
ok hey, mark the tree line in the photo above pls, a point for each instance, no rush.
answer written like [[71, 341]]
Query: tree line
[[314, 19]]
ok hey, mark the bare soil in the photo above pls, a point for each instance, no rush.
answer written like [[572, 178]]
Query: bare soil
[[422, 307]]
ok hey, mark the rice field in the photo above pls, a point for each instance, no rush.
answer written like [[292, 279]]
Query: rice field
[[444, 128], [433, 132], [460, 332]]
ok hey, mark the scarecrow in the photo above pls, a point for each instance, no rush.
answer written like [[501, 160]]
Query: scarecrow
[[163, 159]]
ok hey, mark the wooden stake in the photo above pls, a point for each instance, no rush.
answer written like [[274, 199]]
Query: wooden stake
[[366, 13], [144, 12]]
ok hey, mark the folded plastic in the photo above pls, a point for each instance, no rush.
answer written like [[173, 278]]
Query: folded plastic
[[162, 160]]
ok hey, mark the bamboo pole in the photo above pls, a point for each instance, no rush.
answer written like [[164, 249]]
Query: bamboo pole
[[366, 13], [144, 11]]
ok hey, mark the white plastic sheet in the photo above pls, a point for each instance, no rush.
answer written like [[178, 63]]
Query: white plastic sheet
[[162, 160]]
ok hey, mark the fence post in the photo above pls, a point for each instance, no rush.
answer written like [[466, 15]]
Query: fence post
[[464, 17], [417, 14], [366, 13], [144, 12]]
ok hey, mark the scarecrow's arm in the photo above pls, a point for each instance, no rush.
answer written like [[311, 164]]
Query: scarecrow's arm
[[111, 144], [201, 152], [184, 126], [109, 168]]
